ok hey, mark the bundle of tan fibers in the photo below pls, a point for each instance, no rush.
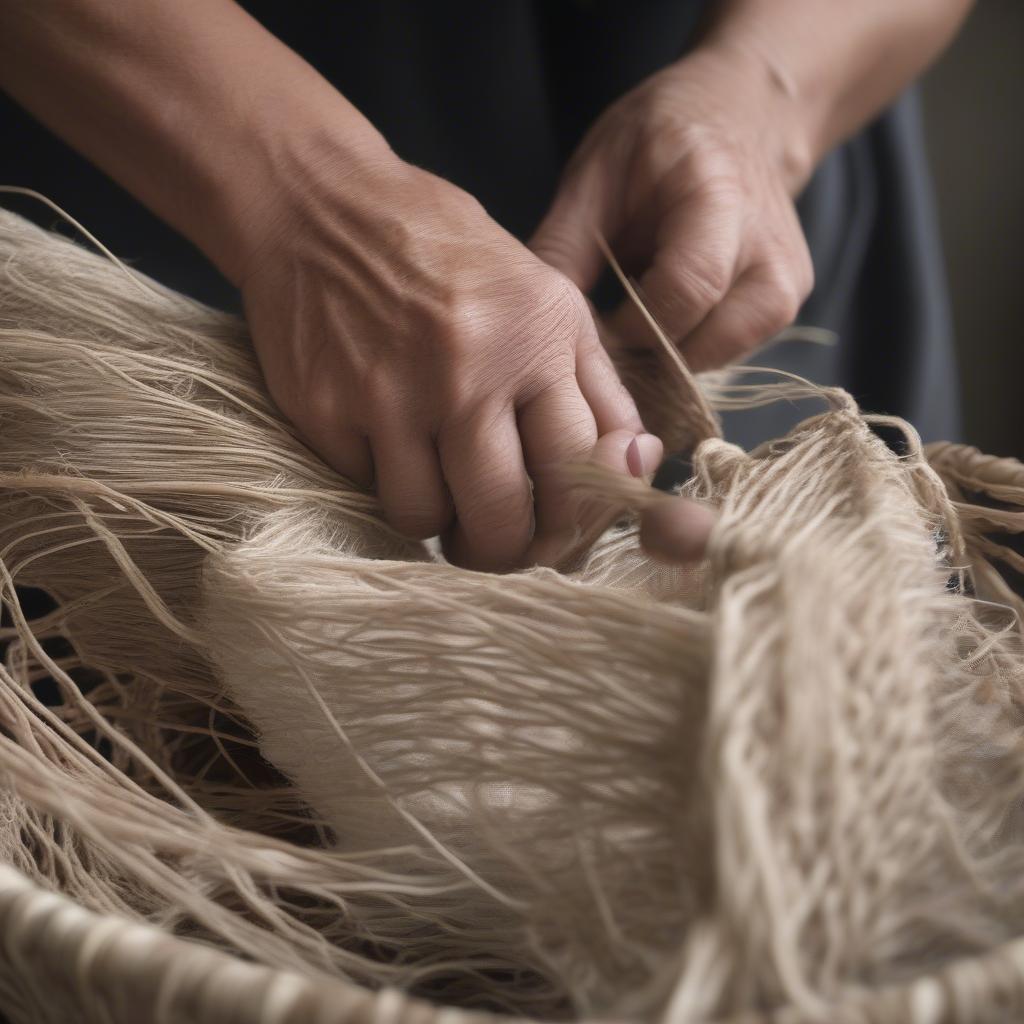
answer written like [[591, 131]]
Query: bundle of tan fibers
[[299, 764]]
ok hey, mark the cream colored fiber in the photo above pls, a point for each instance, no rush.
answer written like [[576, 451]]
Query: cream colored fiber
[[784, 785]]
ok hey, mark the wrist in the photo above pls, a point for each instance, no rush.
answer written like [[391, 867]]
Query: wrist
[[769, 103]]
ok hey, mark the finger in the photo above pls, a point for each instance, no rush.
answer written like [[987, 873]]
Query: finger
[[599, 382], [695, 263], [759, 305], [643, 456], [557, 427], [621, 451], [566, 238], [482, 461], [624, 452], [676, 530], [345, 452], [410, 485], [322, 420]]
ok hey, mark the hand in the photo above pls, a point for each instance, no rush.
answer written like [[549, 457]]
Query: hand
[[690, 178], [417, 345], [676, 530], [672, 529]]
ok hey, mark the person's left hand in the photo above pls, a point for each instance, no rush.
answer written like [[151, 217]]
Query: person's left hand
[[690, 178]]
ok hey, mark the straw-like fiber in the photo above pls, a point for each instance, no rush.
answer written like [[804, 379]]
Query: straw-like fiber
[[298, 763]]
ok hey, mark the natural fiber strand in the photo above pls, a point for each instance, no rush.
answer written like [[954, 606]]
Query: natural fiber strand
[[784, 784]]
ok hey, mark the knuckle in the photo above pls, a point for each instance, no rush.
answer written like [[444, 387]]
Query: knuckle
[[508, 344], [456, 335], [708, 160], [783, 298], [775, 313], [562, 308], [784, 308], [700, 285]]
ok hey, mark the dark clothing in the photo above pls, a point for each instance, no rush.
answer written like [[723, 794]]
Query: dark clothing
[[495, 96]]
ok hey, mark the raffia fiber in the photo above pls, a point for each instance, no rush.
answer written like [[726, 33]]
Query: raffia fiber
[[298, 762]]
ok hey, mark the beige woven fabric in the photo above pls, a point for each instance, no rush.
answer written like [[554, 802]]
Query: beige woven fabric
[[786, 783]]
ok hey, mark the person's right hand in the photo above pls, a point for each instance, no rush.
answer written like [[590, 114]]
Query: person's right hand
[[417, 345]]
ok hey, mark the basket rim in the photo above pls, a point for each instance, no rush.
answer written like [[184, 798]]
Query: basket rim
[[135, 966]]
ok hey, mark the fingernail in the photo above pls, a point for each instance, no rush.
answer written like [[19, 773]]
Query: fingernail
[[643, 455]]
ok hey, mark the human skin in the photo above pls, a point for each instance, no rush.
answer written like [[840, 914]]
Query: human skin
[[692, 176], [414, 343]]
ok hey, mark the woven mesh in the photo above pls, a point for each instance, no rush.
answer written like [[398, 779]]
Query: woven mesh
[[268, 761]]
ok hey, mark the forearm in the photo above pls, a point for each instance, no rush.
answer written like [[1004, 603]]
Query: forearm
[[192, 106], [831, 65]]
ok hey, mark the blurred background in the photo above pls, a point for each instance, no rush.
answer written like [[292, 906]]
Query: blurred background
[[974, 118]]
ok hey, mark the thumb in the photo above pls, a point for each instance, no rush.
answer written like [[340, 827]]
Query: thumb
[[567, 237]]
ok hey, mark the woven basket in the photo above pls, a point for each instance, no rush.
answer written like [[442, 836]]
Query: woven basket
[[788, 784], [62, 963]]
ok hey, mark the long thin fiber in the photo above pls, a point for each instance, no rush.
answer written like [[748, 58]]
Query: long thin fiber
[[267, 761]]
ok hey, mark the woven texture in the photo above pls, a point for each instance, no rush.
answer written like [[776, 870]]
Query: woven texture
[[297, 763]]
